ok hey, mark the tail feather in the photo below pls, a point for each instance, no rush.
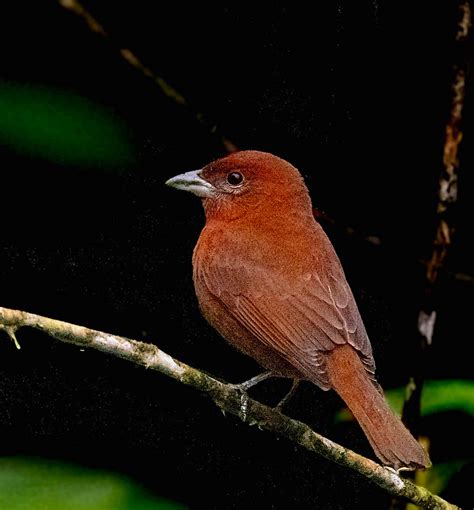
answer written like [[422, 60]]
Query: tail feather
[[392, 442]]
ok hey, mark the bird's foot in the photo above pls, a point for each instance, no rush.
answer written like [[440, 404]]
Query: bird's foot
[[246, 385], [244, 402], [399, 470], [279, 407]]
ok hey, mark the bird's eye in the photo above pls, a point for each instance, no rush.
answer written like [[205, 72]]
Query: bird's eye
[[235, 178]]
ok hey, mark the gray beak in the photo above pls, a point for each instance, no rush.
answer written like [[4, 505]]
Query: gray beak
[[193, 182]]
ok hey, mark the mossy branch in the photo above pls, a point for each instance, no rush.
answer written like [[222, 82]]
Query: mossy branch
[[226, 397]]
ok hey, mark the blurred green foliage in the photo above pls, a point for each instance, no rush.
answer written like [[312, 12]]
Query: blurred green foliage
[[62, 127], [438, 396], [31, 484], [438, 476]]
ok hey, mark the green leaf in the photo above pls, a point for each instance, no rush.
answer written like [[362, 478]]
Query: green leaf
[[61, 127], [28, 483], [438, 396]]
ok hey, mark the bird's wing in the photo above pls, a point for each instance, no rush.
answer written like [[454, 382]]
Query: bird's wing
[[302, 319]]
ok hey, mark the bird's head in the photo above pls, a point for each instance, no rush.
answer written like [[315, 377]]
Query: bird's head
[[243, 182]]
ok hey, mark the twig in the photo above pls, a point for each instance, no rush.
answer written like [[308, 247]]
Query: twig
[[168, 90], [447, 197], [378, 241], [448, 183], [172, 93], [226, 397]]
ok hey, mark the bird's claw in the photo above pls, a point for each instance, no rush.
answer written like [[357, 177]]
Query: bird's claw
[[279, 407], [244, 398], [399, 470], [244, 402]]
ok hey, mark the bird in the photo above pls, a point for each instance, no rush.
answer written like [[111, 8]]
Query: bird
[[268, 279]]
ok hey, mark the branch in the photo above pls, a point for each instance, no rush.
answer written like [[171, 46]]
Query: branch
[[379, 242], [166, 88], [226, 397], [447, 197], [75, 7], [448, 182]]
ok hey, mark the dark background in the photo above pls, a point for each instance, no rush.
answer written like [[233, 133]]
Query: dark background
[[357, 96]]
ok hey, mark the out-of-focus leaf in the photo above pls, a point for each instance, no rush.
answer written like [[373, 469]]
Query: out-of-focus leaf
[[438, 396], [437, 477], [62, 127], [449, 395], [27, 484]]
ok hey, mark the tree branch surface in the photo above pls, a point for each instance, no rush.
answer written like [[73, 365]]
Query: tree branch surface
[[226, 397]]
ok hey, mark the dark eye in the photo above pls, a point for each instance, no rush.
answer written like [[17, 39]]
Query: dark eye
[[235, 178]]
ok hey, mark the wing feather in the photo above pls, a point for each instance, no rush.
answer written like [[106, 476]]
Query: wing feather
[[301, 319]]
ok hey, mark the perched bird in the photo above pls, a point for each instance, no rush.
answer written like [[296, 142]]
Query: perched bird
[[269, 281]]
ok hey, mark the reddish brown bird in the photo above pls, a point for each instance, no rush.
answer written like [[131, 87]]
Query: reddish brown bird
[[269, 281]]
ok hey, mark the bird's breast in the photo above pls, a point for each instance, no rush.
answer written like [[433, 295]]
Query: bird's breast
[[212, 253], [288, 251]]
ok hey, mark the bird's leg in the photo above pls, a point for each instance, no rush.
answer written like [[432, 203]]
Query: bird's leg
[[288, 396], [243, 387], [253, 382]]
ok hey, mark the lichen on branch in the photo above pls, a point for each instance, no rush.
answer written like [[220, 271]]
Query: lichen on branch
[[227, 397]]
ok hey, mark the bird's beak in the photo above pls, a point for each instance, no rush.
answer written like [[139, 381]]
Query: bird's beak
[[193, 182]]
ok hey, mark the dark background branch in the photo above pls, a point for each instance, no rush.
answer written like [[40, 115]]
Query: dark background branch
[[445, 207]]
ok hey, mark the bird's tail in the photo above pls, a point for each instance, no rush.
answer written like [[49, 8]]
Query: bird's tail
[[392, 442]]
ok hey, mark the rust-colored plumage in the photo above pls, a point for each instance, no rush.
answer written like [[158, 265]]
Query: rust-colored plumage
[[269, 281]]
